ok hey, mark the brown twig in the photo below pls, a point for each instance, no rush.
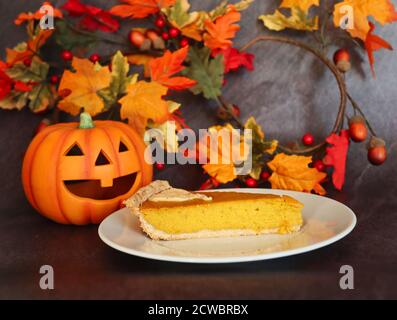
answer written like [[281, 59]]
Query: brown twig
[[330, 65]]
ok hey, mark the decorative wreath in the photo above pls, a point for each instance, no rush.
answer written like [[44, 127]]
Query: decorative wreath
[[185, 50]]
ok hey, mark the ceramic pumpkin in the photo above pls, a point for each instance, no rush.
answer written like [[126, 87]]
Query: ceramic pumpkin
[[79, 173]]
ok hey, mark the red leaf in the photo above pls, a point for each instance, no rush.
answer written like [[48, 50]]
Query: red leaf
[[136, 9], [22, 87], [93, 18], [163, 68], [234, 59], [5, 85], [373, 43], [336, 156], [75, 8]]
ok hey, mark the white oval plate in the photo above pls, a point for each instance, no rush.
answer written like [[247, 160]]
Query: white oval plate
[[325, 221]]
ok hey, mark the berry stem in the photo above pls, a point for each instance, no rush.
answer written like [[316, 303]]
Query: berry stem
[[357, 108]]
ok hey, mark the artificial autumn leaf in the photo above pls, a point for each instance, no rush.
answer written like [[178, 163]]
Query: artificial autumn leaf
[[93, 18], [15, 100], [382, 11], [29, 86], [168, 129], [234, 59], [224, 155], [292, 172], [373, 43], [220, 32], [336, 156], [162, 69], [140, 8], [84, 85], [118, 83], [304, 5], [224, 7], [259, 146], [188, 23], [29, 49], [5, 85], [143, 101], [208, 73], [41, 96], [298, 20], [28, 16]]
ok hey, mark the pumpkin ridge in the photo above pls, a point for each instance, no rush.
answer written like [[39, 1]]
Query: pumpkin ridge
[[58, 157], [32, 154]]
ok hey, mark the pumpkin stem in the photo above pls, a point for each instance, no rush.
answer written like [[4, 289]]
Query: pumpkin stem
[[86, 121]]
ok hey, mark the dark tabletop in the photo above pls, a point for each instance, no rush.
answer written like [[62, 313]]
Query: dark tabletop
[[289, 93]]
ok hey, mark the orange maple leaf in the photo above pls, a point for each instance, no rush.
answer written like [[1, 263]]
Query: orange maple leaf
[[372, 43], [143, 101], [140, 8], [293, 173], [27, 16], [31, 49], [83, 86], [162, 69], [382, 11], [219, 32]]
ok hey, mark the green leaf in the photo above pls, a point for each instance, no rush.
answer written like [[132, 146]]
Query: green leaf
[[16, 100], [119, 81], [256, 170], [37, 71], [178, 13], [257, 133], [207, 71], [41, 97], [298, 20], [70, 39]]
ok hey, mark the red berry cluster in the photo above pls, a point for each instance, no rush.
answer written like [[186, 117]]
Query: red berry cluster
[[171, 33]]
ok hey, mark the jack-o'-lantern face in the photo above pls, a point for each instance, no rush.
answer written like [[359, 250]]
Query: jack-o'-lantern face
[[80, 175], [107, 175]]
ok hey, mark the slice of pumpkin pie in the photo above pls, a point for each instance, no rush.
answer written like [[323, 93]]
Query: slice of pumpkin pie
[[166, 213]]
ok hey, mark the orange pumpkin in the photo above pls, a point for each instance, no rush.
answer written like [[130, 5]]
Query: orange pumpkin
[[79, 174]]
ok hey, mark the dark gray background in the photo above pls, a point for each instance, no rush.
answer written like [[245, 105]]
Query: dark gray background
[[290, 93]]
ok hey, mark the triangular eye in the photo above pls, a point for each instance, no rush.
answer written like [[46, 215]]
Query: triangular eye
[[75, 151], [122, 147], [101, 160]]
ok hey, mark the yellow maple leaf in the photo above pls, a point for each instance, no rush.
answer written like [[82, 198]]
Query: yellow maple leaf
[[299, 18], [292, 172], [381, 11], [144, 100], [304, 5], [222, 154], [84, 85]]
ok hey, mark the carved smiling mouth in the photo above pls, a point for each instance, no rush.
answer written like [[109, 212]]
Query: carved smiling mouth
[[92, 188]]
